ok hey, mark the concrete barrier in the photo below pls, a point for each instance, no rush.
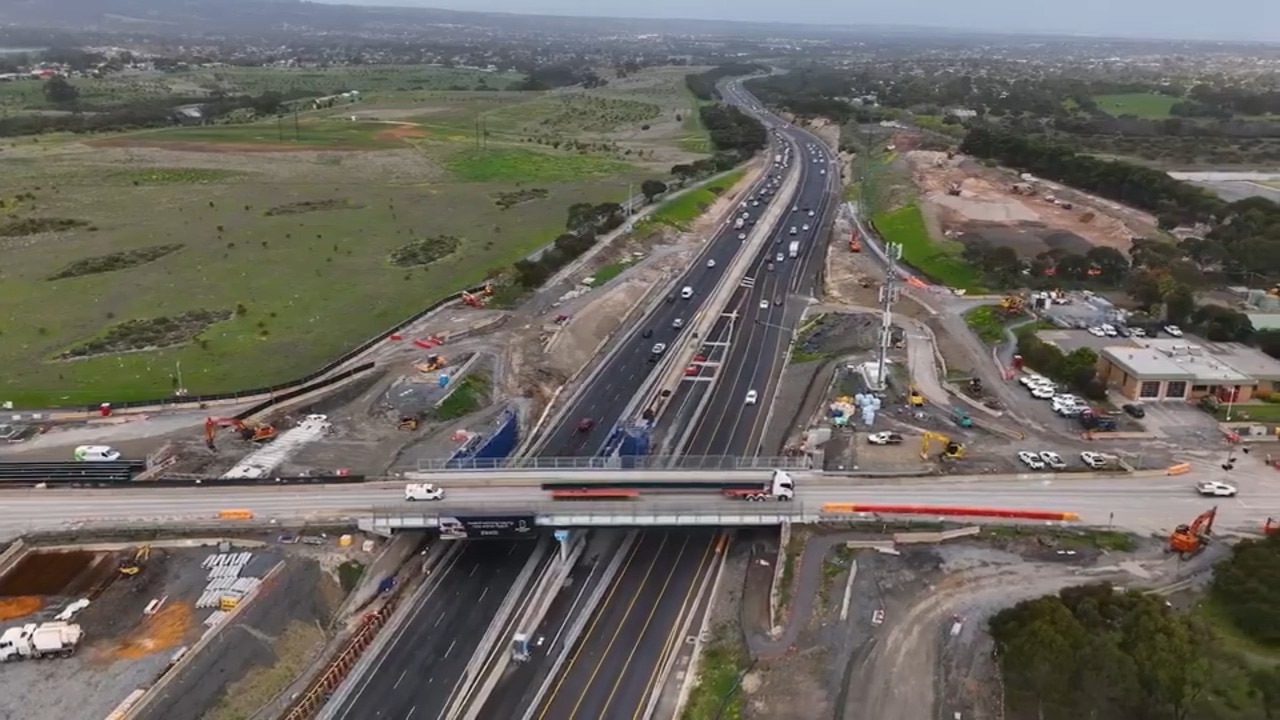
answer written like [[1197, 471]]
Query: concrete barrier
[[775, 594], [1179, 469], [11, 555]]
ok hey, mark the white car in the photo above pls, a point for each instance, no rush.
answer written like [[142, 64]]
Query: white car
[[1215, 488], [742, 236], [658, 348], [1093, 459], [1042, 392], [751, 397], [1052, 459], [711, 263], [1097, 332], [885, 438], [1137, 332], [805, 226], [764, 304], [1031, 460], [423, 491], [779, 257], [1173, 330], [677, 323], [811, 213], [687, 292], [1032, 379]]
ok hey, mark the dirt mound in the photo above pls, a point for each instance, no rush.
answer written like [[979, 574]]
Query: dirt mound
[[15, 607], [165, 630]]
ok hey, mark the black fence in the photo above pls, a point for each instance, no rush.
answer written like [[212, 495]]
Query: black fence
[[292, 384], [68, 473]]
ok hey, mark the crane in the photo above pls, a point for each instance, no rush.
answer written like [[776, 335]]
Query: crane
[[1189, 540], [950, 449], [250, 431]]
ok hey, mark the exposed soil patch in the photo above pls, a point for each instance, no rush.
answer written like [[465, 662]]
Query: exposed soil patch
[[307, 206], [21, 606], [400, 131], [1028, 239], [22, 227], [58, 573]]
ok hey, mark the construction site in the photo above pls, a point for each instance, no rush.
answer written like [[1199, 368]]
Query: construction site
[[970, 202], [90, 629]]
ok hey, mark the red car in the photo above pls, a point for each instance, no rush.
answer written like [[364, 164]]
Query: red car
[[585, 425]]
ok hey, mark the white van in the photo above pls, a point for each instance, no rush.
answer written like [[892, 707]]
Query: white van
[[423, 491], [96, 453]]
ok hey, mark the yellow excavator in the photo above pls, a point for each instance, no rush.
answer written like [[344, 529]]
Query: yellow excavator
[[132, 566], [950, 449]]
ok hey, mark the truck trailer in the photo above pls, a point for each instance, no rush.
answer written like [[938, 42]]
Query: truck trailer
[[779, 487], [793, 249], [51, 639]]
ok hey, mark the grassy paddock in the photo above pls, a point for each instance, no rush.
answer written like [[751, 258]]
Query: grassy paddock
[[680, 211], [940, 261], [1151, 106]]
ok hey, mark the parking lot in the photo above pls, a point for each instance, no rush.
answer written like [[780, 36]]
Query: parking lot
[[1068, 340], [1084, 311]]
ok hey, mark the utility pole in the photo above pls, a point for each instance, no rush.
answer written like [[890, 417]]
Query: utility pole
[[888, 295]]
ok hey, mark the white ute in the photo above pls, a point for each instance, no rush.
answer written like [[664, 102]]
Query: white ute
[[1215, 488], [423, 491], [885, 438]]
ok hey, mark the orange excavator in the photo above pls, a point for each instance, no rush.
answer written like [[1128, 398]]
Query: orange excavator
[[1189, 540], [1271, 527], [249, 431]]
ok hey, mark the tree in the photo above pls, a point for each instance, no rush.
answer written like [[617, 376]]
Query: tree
[[1080, 366], [1179, 303], [1144, 288], [652, 189], [1244, 587], [60, 92], [1264, 684]]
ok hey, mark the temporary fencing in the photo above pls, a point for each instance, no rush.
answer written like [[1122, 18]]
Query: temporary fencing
[[319, 692]]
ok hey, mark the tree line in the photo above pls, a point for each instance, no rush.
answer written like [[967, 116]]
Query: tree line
[[1103, 653], [703, 84]]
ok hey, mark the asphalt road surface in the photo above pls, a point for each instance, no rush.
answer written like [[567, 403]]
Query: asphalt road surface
[[417, 674], [759, 336], [616, 662]]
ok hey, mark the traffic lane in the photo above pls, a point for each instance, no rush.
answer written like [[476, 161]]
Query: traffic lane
[[630, 664], [775, 346], [660, 635], [513, 693], [645, 599], [414, 669], [630, 367], [689, 391], [753, 355]]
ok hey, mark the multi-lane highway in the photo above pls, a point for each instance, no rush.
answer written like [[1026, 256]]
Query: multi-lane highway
[[418, 675], [616, 662]]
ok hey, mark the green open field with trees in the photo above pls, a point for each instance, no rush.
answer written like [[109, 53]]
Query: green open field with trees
[[940, 261], [1151, 106], [240, 254]]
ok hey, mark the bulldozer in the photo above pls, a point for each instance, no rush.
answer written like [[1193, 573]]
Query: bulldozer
[[408, 423], [1189, 540], [950, 449], [433, 363], [1012, 304], [248, 431], [130, 567]]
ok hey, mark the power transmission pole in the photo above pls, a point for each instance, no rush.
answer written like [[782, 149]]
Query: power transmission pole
[[888, 296]]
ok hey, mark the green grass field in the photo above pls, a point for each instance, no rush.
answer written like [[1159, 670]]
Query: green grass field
[[987, 323], [679, 212], [939, 261], [294, 247], [1151, 106]]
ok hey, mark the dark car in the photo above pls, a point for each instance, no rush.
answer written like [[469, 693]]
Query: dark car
[[585, 425], [648, 333], [1134, 410]]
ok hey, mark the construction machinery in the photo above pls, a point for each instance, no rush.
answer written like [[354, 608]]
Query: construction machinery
[[133, 565], [433, 363], [1271, 527], [915, 398], [1189, 540], [950, 448], [32, 641], [475, 301], [1012, 304], [249, 431], [408, 423], [954, 189], [855, 244]]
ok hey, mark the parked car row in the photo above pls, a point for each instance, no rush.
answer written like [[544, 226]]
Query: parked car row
[[1108, 330], [1047, 459]]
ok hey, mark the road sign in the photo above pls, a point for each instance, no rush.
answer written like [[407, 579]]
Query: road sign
[[497, 527]]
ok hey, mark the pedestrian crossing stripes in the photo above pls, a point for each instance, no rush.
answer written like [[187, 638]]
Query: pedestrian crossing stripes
[[748, 282]]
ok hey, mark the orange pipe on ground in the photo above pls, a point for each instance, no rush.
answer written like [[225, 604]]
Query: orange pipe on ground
[[950, 510]]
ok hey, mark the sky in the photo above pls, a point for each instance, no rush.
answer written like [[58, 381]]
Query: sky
[[1240, 20]]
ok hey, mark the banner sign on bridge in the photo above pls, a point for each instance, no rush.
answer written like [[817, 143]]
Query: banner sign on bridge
[[493, 527]]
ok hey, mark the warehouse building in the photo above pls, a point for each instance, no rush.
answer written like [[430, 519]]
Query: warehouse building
[[1153, 370]]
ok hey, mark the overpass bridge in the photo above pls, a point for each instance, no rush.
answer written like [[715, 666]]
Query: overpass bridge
[[622, 463]]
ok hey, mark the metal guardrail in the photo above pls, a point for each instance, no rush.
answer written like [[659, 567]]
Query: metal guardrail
[[647, 462]]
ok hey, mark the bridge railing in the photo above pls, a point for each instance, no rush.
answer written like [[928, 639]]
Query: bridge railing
[[646, 462]]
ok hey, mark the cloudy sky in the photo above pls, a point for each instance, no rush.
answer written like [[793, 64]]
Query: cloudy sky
[[1191, 19]]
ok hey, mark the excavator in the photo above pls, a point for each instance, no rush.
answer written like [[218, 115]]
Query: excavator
[[1189, 540], [1012, 304], [132, 566], [1271, 527], [248, 431], [950, 449]]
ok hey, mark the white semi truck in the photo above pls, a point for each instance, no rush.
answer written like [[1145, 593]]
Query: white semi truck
[[51, 639], [779, 487], [793, 249]]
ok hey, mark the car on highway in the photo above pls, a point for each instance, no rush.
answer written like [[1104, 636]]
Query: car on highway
[[711, 263], [686, 293], [1031, 460], [764, 304], [777, 301], [1053, 460], [751, 397], [795, 208], [648, 333], [677, 323], [769, 265], [742, 236], [779, 257], [585, 424], [1093, 459], [811, 213], [656, 351], [1135, 411], [423, 491], [805, 226], [793, 229], [1216, 488], [885, 438]]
